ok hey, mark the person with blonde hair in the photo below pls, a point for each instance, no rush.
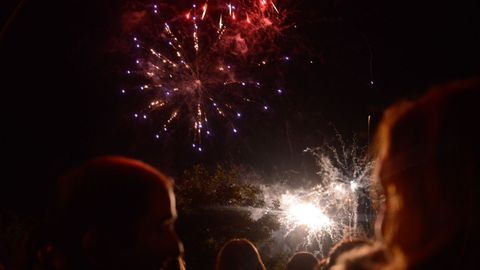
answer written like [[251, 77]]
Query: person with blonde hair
[[429, 169]]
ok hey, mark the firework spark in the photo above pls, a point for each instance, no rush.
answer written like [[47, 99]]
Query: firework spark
[[300, 213], [205, 63], [338, 206]]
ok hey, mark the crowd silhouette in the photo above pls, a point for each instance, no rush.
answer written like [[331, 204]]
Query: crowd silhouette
[[118, 213]]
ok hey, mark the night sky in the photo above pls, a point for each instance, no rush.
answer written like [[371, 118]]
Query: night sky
[[60, 68]]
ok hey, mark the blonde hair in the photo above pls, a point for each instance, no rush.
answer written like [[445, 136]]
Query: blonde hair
[[428, 168]]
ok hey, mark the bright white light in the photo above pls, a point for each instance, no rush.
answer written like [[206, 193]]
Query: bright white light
[[353, 186], [309, 215], [339, 189]]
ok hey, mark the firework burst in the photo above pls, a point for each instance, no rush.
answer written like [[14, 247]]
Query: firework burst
[[338, 206], [204, 63]]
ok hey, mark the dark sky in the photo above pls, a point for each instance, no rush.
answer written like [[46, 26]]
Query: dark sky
[[61, 105]]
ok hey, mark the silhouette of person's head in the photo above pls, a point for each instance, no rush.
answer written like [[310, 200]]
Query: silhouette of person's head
[[115, 213], [239, 254], [302, 261], [428, 166], [341, 248]]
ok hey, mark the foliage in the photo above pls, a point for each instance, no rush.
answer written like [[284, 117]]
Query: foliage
[[222, 187], [216, 205]]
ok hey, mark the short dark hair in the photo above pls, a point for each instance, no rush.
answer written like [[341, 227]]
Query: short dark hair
[[105, 193], [302, 261], [239, 254]]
